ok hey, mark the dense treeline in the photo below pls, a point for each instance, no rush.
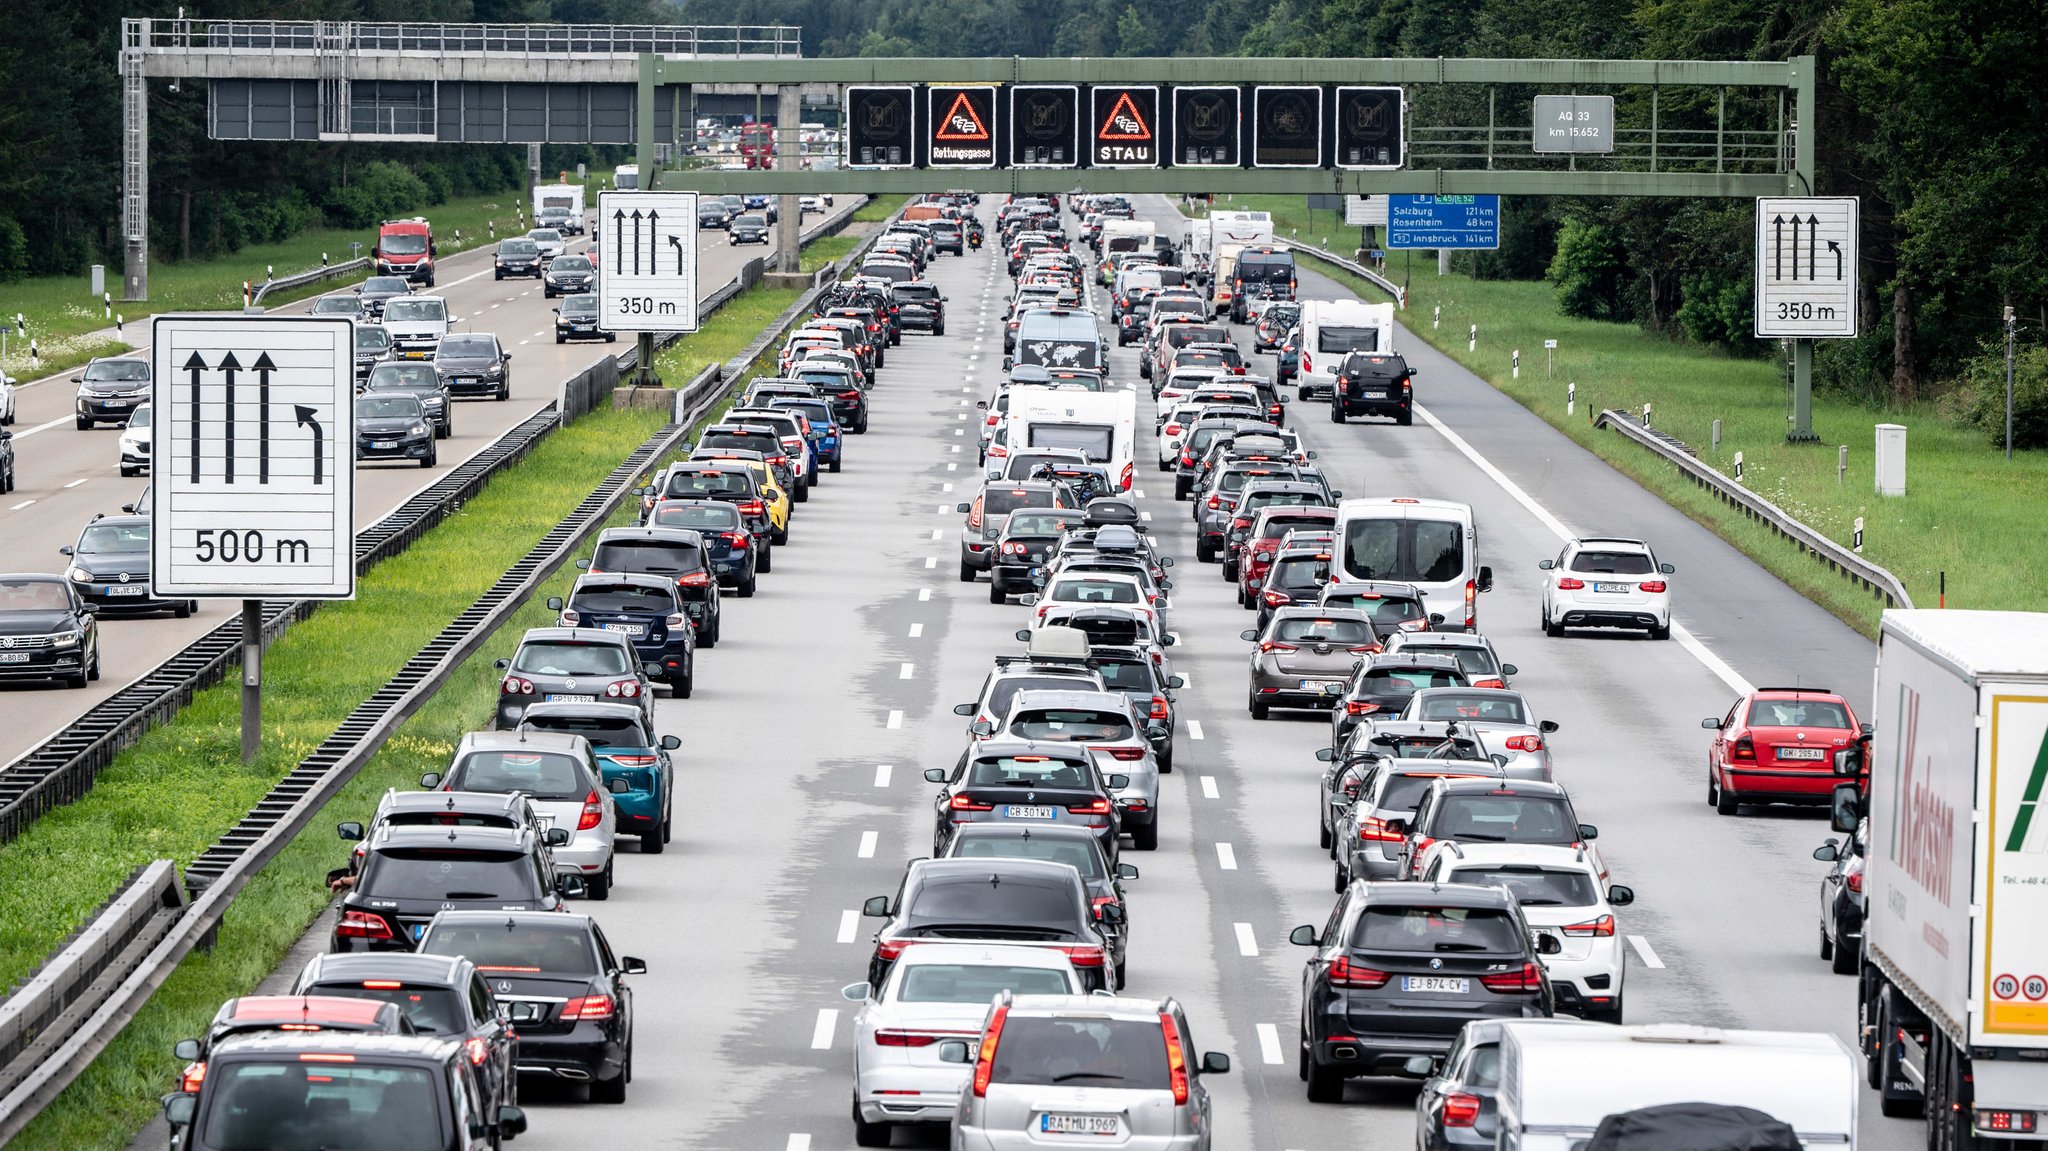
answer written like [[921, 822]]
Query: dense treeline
[[60, 139], [1931, 111]]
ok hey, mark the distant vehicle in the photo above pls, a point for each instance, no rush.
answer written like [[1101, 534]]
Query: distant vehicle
[[626, 177], [406, 248], [560, 206], [757, 145], [135, 442]]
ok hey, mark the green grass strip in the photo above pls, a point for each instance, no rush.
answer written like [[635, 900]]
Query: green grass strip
[[878, 209]]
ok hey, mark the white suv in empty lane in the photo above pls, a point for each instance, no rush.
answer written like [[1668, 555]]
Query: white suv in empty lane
[[1607, 582]]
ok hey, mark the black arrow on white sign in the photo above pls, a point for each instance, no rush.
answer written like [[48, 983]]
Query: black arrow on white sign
[[1777, 247], [676, 242], [1812, 241], [636, 241], [618, 241], [229, 365], [309, 417], [1836, 248], [1795, 247], [263, 369], [197, 366]]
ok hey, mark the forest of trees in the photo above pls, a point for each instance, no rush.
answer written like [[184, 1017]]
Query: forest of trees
[[1931, 111]]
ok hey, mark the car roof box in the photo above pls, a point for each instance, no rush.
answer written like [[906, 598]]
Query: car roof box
[[1055, 642]]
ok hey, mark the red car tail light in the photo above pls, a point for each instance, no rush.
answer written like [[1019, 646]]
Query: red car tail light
[[1216, 501], [694, 579], [1492, 683], [985, 1059], [1653, 586], [1364, 649], [1275, 598], [513, 685], [195, 1074], [1125, 754], [1742, 749], [1567, 583], [1092, 807], [1461, 1110], [849, 395], [1344, 973], [889, 949], [1084, 955], [586, 1007], [752, 508], [965, 802], [1855, 882], [1158, 708], [896, 1037], [1360, 707], [477, 1050], [627, 689], [593, 812], [1270, 645], [571, 617], [1373, 829], [1529, 978], [362, 925], [1176, 1059], [1525, 743], [1602, 927]]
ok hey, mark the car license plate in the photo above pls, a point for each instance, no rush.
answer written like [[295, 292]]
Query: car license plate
[[1321, 684], [1078, 1124], [1436, 984], [383, 444], [1028, 811], [415, 355], [127, 589], [635, 630], [523, 1012], [13, 657], [1802, 753], [1379, 395], [463, 381], [1610, 587], [117, 403], [558, 697]]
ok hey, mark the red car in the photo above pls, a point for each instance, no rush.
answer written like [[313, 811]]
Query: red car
[[1778, 745]]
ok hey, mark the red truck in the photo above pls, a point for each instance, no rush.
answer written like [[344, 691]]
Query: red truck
[[405, 248]]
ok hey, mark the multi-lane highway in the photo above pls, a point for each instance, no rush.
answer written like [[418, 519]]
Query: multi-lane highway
[[66, 475], [831, 691]]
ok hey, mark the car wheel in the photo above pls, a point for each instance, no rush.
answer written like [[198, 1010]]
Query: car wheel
[[560, 338], [1180, 487], [1553, 630], [1827, 946], [1144, 837], [600, 886], [1323, 837], [126, 472], [1336, 413], [611, 337], [746, 586], [939, 331], [497, 275], [1230, 571], [1205, 551], [966, 572], [1325, 1084], [996, 592], [802, 494], [708, 638], [767, 560], [1258, 710], [866, 1134], [84, 425], [1661, 632], [1610, 1014], [1724, 803], [684, 684], [1301, 392], [1166, 762], [504, 391], [77, 680], [1843, 961], [184, 608], [778, 535], [834, 466], [1406, 418], [611, 1090], [651, 842], [92, 670], [432, 457], [1340, 877]]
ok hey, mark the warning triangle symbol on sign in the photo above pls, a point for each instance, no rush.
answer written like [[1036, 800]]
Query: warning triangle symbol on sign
[[1124, 122], [961, 122]]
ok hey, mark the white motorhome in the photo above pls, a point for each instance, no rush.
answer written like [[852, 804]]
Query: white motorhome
[[626, 177], [550, 201], [1956, 879], [1225, 227], [1127, 236], [1333, 329], [1431, 544], [1101, 425], [1558, 1083]]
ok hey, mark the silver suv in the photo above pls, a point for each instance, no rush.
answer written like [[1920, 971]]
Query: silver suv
[[1051, 1067]]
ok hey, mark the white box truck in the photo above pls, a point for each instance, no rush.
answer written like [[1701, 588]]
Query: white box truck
[[1557, 1082], [1222, 227], [559, 206], [1954, 980], [1101, 425]]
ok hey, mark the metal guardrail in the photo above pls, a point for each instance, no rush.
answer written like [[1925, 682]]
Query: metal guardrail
[[1352, 266], [309, 276], [1855, 568], [159, 36]]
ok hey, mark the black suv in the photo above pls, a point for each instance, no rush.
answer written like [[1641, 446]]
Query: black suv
[[923, 307], [1491, 811], [1400, 968], [290, 1089], [558, 982], [1014, 901], [409, 873], [47, 631], [441, 995], [1374, 384], [677, 553], [474, 363]]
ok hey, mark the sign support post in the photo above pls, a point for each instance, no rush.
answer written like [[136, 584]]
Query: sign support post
[[643, 359], [252, 679]]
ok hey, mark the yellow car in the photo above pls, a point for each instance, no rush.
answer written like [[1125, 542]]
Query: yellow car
[[779, 507]]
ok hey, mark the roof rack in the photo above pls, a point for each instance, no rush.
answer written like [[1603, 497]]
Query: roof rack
[[1804, 690]]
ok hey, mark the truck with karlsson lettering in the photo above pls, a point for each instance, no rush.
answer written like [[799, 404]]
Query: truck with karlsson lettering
[[1954, 979]]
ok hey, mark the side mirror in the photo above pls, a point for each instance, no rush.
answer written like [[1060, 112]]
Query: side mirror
[[1167, 640], [670, 743], [1164, 561], [583, 565], [981, 728], [1588, 831], [1326, 755], [935, 775], [963, 708], [1166, 585], [186, 1049], [1127, 871], [557, 837], [1621, 896], [1397, 826], [1024, 634], [1435, 618], [982, 404], [430, 780], [1867, 730], [856, 992], [1176, 681], [1249, 634], [1547, 726], [617, 786], [962, 507], [179, 1107], [507, 358], [1827, 852], [1711, 723], [1849, 760], [1667, 569], [1215, 1063], [572, 886], [877, 907], [1485, 578], [1547, 944], [351, 832], [1510, 669], [1845, 808], [1119, 781], [953, 1051], [554, 603], [501, 664], [511, 1122], [1109, 913], [1546, 565], [1158, 731], [65, 550], [1303, 936], [1418, 1067], [1028, 599], [632, 966]]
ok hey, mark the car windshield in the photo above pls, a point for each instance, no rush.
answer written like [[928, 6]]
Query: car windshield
[[392, 407], [557, 949], [1126, 675], [403, 244], [435, 1010], [624, 598], [1000, 501], [1535, 886], [1303, 571], [751, 221], [1404, 792], [1485, 708], [544, 236], [1476, 662], [403, 376], [971, 983], [448, 873], [1612, 563], [1798, 713], [119, 371], [687, 484], [1081, 855], [33, 595], [1095, 591], [658, 557], [522, 248], [1027, 903], [1095, 1051], [924, 293], [1071, 725], [301, 1106], [103, 539], [601, 730], [1388, 612], [1505, 819], [696, 516], [371, 338], [579, 305], [386, 286], [1029, 771], [1332, 631], [573, 264], [540, 774], [570, 659], [468, 348], [139, 418], [1433, 929], [415, 310], [1038, 524], [1405, 681]]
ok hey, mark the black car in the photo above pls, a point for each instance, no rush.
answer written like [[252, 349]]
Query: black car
[[577, 319], [371, 293], [569, 275], [473, 363], [733, 483], [1019, 781], [393, 426], [923, 307], [374, 345], [1013, 901], [728, 545], [7, 460], [1023, 547], [1374, 384], [747, 229], [443, 995], [1457, 1108], [423, 383], [1841, 901], [1381, 684], [1069, 845], [677, 554], [1400, 968], [47, 631], [845, 390], [518, 256], [110, 567], [711, 214], [108, 389], [559, 983], [647, 610], [1296, 577], [292, 1089], [409, 873]]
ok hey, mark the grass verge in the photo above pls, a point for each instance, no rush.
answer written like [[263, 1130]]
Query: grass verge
[[726, 335], [878, 208], [825, 249]]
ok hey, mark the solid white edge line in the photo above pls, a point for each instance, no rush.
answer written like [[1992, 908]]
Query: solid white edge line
[[1713, 663], [1226, 858], [1269, 1044], [1643, 950], [868, 841], [882, 771], [1246, 943], [1209, 787], [828, 1022], [849, 922]]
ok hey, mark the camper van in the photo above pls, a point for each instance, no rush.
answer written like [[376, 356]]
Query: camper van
[[1332, 330], [1101, 425], [1431, 544]]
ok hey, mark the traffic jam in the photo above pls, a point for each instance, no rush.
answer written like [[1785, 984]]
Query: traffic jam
[[1474, 948]]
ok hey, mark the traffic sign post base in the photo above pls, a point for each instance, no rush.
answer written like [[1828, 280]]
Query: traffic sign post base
[[643, 364], [252, 679], [1801, 430]]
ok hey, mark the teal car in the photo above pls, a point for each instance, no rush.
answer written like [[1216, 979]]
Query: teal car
[[634, 764]]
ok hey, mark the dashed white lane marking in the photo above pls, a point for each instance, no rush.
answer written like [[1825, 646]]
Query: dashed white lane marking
[[882, 772], [945, 487], [1225, 857], [1642, 947], [924, 594], [956, 447], [1138, 492], [916, 629], [1209, 788], [1194, 729], [526, 341], [1269, 1043], [931, 561], [952, 467], [1146, 516], [895, 720], [20, 505], [945, 509], [960, 431], [78, 481], [937, 534], [799, 1141], [849, 922], [1246, 945], [821, 1035], [866, 850], [907, 671]]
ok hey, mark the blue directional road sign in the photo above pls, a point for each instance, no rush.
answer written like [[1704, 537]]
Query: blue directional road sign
[[1438, 222]]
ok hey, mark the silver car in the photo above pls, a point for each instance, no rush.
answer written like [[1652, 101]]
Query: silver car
[[1056, 1070], [1499, 719], [558, 772], [1120, 742]]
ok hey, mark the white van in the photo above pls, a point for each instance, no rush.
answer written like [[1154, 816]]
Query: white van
[[1333, 329], [1127, 236], [1558, 1083], [1101, 425], [1431, 544]]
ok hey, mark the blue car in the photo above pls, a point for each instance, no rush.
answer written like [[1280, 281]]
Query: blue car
[[634, 765], [728, 546], [828, 439]]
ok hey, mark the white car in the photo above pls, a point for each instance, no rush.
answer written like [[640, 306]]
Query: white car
[[1561, 896], [809, 204], [135, 442], [1093, 589], [1605, 581], [934, 992], [416, 324], [1173, 426], [6, 399], [549, 241], [1184, 381]]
